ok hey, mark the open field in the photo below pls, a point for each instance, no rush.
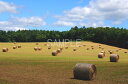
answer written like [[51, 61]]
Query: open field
[[26, 66]]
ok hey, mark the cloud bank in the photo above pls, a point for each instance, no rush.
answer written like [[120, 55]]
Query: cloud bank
[[95, 13]]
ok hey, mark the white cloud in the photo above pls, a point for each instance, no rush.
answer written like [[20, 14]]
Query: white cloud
[[9, 28], [16, 23], [63, 23], [96, 13], [7, 7], [30, 21]]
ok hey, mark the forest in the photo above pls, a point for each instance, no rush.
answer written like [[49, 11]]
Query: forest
[[105, 35]]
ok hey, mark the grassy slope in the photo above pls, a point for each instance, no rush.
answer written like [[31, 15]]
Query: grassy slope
[[25, 66]]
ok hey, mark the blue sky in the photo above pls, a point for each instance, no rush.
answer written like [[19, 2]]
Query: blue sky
[[62, 14]]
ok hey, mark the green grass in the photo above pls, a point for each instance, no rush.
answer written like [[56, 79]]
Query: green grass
[[26, 66]]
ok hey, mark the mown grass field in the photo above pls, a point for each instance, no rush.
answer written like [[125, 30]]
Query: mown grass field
[[26, 66]]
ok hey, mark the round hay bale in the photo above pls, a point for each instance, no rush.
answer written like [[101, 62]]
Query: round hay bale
[[101, 55], [54, 53], [92, 48], [125, 52], [114, 58], [111, 52], [120, 49], [14, 42], [37, 43], [35, 48], [66, 47], [103, 52], [61, 48], [45, 44], [58, 51], [99, 47], [39, 48], [49, 47], [84, 71], [14, 47], [19, 46], [102, 48], [74, 49], [87, 48], [84, 45], [79, 46], [5, 50], [117, 50]]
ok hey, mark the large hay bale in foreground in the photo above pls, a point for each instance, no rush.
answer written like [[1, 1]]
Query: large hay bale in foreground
[[54, 53], [84, 71], [101, 55], [5, 50], [114, 58]]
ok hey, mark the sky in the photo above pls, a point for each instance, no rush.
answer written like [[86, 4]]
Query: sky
[[61, 15]]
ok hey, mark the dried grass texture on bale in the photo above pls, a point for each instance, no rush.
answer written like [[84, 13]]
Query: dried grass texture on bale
[[101, 55], [114, 58], [54, 53], [84, 71]]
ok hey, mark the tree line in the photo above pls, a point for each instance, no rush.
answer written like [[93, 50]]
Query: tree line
[[106, 35]]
